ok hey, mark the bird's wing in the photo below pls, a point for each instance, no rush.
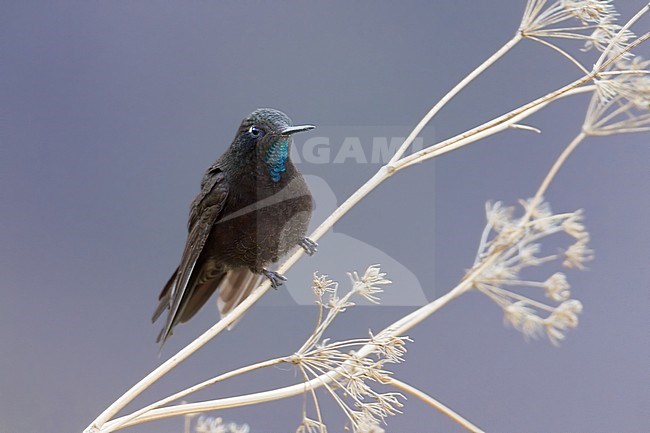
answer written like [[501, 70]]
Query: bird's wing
[[205, 210], [201, 288]]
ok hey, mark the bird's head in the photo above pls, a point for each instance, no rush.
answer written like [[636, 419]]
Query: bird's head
[[266, 134]]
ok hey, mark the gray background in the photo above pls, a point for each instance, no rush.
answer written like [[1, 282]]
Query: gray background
[[110, 112]]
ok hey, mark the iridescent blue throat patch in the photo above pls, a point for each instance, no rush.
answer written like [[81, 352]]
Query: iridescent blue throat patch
[[275, 158]]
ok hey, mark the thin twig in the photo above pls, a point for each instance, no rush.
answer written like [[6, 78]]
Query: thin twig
[[561, 51], [402, 386], [552, 172]]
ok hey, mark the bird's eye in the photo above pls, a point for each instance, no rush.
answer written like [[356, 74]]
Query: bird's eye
[[255, 131]]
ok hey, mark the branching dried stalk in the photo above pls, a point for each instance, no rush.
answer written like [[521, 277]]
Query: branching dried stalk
[[620, 103], [318, 356]]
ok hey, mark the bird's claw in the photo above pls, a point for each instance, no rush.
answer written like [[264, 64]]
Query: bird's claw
[[309, 246], [276, 278]]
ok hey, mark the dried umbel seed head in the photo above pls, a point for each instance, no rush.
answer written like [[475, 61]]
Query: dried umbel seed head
[[509, 245]]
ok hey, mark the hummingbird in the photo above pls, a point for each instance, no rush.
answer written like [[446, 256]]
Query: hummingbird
[[254, 206]]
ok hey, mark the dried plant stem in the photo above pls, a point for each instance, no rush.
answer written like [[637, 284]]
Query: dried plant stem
[[561, 51], [405, 387], [187, 425], [319, 416], [553, 172]]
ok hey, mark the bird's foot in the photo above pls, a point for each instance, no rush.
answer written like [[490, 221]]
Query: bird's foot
[[309, 246], [276, 278]]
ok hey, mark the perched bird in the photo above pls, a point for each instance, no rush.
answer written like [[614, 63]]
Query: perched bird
[[254, 206]]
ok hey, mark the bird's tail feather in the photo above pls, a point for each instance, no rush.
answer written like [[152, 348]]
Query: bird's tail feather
[[197, 294], [234, 288], [203, 290], [163, 298]]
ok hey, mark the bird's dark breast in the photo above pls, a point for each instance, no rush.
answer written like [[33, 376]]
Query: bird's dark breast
[[261, 221]]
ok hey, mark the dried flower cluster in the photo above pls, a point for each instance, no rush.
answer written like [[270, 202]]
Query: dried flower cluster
[[368, 285], [371, 428], [621, 102], [592, 21], [205, 424], [351, 375], [510, 244]]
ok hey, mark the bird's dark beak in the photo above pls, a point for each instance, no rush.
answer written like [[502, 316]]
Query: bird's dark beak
[[293, 129]]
